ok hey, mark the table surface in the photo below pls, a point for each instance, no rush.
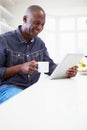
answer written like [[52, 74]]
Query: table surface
[[48, 105]]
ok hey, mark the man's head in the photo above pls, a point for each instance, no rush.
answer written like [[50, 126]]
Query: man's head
[[33, 21]]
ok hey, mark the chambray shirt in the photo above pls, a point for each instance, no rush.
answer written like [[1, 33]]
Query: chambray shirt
[[15, 50]]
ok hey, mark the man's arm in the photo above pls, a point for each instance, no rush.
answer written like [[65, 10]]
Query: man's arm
[[46, 57], [71, 72], [26, 68]]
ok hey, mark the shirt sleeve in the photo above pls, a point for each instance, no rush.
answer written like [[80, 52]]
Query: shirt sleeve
[[2, 58], [52, 65]]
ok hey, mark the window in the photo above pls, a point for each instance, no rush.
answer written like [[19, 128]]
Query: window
[[67, 24], [82, 23], [82, 33], [67, 43], [65, 34], [82, 40]]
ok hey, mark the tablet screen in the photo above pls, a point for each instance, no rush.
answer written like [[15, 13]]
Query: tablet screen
[[68, 61]]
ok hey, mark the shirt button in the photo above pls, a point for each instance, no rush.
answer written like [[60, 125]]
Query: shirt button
[[27, 55], [28, 76], [18, 54]]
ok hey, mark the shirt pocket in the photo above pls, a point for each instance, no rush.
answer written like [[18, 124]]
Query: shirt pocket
[[14, 58], [37, 56]]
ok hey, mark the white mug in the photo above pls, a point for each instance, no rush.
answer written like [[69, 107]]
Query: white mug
[[43, 67]]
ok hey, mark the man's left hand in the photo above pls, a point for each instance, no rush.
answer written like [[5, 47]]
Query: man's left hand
[[71, 72]]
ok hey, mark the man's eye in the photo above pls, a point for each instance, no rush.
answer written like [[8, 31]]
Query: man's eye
[[42, 24], [37, 23]]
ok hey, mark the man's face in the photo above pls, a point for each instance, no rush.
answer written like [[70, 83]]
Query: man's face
[[35, 23]]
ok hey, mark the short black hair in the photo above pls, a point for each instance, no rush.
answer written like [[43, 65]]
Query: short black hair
[[35, 8]]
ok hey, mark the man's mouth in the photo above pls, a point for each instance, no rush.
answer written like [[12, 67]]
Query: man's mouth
[[36, 32]]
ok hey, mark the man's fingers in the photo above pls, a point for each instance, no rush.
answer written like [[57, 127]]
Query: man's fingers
[[71, 72]]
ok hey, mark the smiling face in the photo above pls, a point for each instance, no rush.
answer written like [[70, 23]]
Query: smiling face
[[33, 23], [36, 23]]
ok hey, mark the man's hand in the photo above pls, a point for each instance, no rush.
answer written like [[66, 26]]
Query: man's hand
[[29, 67], [26, 68], [71, 72]]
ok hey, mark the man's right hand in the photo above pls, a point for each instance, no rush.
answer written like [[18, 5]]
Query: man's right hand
[[26, 68], [29, 67]]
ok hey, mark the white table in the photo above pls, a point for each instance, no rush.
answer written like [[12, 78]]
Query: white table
[[48, 105]]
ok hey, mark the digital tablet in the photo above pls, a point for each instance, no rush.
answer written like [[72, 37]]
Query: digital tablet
[[68, 61]]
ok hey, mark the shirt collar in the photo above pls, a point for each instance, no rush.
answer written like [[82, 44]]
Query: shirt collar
[[20, 36]]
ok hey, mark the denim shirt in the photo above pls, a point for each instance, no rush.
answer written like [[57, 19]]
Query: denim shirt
[[14, 50]]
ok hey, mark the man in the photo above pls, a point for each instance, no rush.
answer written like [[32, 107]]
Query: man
[[20, 51]]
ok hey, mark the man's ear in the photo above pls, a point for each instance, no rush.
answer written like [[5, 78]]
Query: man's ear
[[25, 19]]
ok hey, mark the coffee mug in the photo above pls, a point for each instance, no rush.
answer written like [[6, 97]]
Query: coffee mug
[[43, 67]]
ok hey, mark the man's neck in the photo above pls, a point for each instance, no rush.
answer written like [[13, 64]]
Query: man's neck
[[25, 35]]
